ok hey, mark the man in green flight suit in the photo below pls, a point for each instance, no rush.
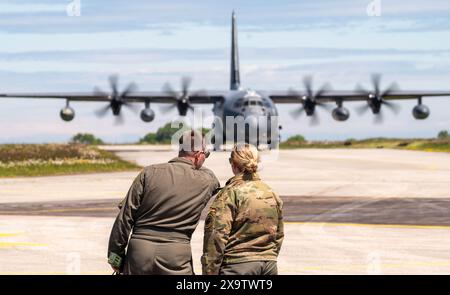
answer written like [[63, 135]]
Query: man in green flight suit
[[161, 211]]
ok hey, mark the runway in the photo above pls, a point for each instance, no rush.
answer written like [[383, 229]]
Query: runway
[[317, 173], [346, 212], [396, 211], [77, 245]]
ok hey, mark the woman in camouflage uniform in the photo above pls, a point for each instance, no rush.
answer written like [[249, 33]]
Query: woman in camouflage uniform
[[244, 226]]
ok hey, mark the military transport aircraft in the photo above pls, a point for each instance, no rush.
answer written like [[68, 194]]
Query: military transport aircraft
[[244, 103]]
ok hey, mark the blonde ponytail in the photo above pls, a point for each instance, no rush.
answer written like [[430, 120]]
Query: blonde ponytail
[[245, 158]]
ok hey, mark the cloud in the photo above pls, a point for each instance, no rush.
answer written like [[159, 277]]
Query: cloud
[[250, 53], [12, 8], [110, 15], [152, 42]]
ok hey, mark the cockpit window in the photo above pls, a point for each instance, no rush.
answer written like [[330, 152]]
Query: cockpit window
[[253, 103], [266, 103], [238, 103]]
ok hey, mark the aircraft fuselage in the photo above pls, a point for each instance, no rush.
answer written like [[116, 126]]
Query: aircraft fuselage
[[247, 115]]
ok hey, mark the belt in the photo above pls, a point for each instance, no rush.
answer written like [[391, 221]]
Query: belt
[[160, 233]]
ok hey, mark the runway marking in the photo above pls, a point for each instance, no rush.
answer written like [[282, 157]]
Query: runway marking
[[57, 210], [2, 235], [17, 244], [20, 244], [55, 273], [370, 225], [339, 267]]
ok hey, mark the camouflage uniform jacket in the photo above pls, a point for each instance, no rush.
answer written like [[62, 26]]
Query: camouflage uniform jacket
[[244, 223]]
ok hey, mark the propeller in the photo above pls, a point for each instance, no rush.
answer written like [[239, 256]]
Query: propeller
[[309, 100], [181, 99], [116, 99], [375, 98]]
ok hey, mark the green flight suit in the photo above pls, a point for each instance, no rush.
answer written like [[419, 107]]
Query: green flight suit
[[161, 211]]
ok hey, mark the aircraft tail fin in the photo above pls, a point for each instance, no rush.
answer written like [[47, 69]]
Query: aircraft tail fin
[[235, 81]]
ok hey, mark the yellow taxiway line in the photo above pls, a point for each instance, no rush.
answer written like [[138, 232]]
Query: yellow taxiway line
[[367, 266], [20, 244], [17, 244], [3, 235], [313, 223], [55, 210], [330, 224], [56, 273]]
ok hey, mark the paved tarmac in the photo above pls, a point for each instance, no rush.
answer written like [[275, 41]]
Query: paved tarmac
[[323, 173], [397, 211], [77, 245], [346, 212]]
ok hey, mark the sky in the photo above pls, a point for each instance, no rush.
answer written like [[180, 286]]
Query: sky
[[44, 49]]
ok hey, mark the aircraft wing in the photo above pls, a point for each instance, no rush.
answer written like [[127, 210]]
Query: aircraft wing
[[158, 97], [333, 96]]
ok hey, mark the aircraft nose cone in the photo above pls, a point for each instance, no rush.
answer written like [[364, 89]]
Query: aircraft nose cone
[[252, 121], [251, 130], [254, 111]]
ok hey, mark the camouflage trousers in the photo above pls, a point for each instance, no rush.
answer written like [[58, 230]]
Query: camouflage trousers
[[250, 268]]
